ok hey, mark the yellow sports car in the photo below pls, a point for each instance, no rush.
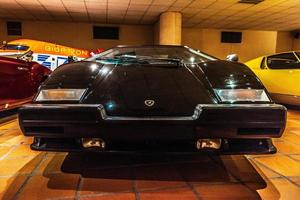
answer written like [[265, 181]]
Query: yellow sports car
[[280, 73]]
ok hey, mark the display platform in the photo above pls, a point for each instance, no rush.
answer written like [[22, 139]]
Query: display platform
[[42, 175]]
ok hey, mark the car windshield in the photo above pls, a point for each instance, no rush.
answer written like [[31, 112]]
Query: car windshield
[[14, 47], [154, 53]]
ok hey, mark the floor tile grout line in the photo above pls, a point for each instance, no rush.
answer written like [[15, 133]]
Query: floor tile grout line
[[235, 177], [192, 188], [5, 131], [10, 151], [290, 156], [261, 164], [284, 140], [188, 184], [29, 176], [285, 177], [18, 157], [163, 188], [293, 154], [147, 164], [96, 194], [60, 198], [258, 165], [134, 183], [78, 188], [135, 190], [12, 120], [155, 189], [264, 156], [102, 194]]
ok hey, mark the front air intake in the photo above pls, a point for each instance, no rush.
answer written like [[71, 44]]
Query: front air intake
[[258, 131]]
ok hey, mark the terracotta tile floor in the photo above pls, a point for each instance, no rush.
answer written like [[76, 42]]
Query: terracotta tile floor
[[26, 174]]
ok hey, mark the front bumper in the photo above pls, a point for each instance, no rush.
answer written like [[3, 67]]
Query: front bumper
[[225, 121]]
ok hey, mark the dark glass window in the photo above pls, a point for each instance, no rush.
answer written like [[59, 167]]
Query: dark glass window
[[283, 61], [298, 54], [149, 53], [231, 37], [15, 47], [14, 28], [104, 32]]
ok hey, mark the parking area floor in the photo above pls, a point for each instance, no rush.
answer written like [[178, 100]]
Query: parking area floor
[[27, 174]]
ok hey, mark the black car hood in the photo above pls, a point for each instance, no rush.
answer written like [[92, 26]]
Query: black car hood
[[175, 90], [123, 90], [73, 75]]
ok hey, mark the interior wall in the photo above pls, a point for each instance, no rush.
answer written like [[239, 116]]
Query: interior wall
[[156, 30], [79, 35], [254, 43], [284, 41], [296, 44]]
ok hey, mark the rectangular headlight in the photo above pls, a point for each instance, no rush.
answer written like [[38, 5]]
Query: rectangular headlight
[[233, 95], [60, 95]]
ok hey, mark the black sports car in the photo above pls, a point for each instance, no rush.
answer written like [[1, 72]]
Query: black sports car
[[169, 98]]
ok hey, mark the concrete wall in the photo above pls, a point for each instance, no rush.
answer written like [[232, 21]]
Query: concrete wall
[[79, 34], [254, 43]]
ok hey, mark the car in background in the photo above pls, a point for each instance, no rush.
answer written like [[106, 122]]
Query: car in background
[[48, 54], [280, 73], [153, 98], [19, 80]]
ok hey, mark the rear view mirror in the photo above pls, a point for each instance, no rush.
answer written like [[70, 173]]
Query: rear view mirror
[[232, 58]]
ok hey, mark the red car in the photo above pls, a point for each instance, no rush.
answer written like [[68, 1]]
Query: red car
[[19, 80]]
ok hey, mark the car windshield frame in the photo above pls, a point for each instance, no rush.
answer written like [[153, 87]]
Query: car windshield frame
[[14, 47], [297, 54], [164, 52]]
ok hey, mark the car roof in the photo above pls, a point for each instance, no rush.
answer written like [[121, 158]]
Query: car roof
[[264, 56], [278, 53]]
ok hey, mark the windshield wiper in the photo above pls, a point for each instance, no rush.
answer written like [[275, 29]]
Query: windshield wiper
[[150, 60]]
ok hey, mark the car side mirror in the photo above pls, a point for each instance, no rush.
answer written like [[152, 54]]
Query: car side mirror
[[28, 57], [72, 59], [232, 58]]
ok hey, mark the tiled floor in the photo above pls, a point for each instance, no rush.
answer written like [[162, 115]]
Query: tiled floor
[[26, 174]]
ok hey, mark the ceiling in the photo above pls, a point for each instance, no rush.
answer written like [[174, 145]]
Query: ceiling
[[225, 14]]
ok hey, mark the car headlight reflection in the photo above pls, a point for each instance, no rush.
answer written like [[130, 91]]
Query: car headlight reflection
[[234, 95], [60, 95]]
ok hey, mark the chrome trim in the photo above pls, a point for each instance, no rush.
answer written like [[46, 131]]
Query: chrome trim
[[104, 116], [240, 106], [197, 112], [60, 105]]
